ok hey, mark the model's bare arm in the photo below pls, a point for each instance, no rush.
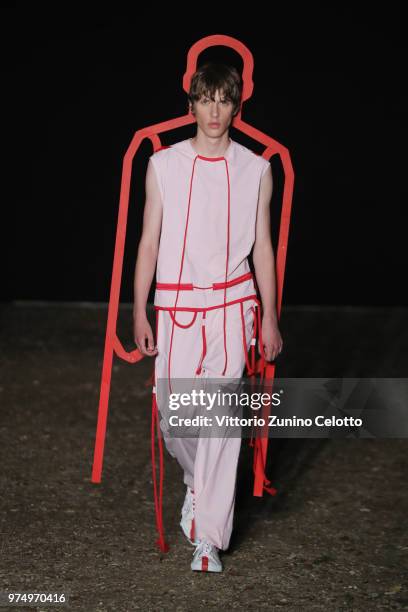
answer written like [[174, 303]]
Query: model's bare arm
[[264, 264], [146, 263]]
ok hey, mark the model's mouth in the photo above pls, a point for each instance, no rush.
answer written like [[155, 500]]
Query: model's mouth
[[214, 125]]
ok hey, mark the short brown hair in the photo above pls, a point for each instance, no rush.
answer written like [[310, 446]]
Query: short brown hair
[[212, 76]]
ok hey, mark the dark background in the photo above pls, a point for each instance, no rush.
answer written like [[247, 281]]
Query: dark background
[[329, 87]]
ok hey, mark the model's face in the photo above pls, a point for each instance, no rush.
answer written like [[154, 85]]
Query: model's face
[[213, 116]]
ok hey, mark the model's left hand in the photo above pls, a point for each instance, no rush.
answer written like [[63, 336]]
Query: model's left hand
[[271, 338]]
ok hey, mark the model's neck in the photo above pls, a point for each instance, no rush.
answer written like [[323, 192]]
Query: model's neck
[[214, 147]]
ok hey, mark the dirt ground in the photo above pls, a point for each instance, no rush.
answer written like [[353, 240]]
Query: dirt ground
[[334, 538]]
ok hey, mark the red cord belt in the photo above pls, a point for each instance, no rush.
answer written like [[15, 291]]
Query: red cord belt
[[191, 287]]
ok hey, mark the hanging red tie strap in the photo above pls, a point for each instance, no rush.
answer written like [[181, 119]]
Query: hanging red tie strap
[[259, 458], [266, 482], [158, 498], [253, 342], [204, 351]]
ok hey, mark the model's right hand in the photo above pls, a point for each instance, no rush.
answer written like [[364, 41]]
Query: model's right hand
[[143, 335]]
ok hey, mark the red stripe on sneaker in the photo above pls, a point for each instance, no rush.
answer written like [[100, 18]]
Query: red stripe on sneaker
[[204, 564], [192, 531]]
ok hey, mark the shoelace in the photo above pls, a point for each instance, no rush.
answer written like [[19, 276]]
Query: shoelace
[[205, 548]]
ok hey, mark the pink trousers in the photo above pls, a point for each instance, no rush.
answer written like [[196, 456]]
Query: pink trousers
[[209, 463]]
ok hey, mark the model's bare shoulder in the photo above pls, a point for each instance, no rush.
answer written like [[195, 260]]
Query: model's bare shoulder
[[154, 183], [266, 166], [266, 182], [161, 152], [245, 152], [263, 163], [156, 171], [256, 158]]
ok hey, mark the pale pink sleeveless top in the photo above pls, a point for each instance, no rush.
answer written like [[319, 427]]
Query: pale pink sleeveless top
[[208, 224]]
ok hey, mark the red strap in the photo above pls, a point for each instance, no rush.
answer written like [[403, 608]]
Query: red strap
[[234, 281], [168, 286], [191, 287], [255, 336], [204, 352], [158, 501], [266, 482], [260, 345], [173, 316], [258, 459]]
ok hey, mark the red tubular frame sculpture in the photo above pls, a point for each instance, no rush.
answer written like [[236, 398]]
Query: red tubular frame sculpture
[[112, 342]]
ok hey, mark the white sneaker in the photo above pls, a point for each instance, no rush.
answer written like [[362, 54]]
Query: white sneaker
[[205, 558], [187, 517]]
